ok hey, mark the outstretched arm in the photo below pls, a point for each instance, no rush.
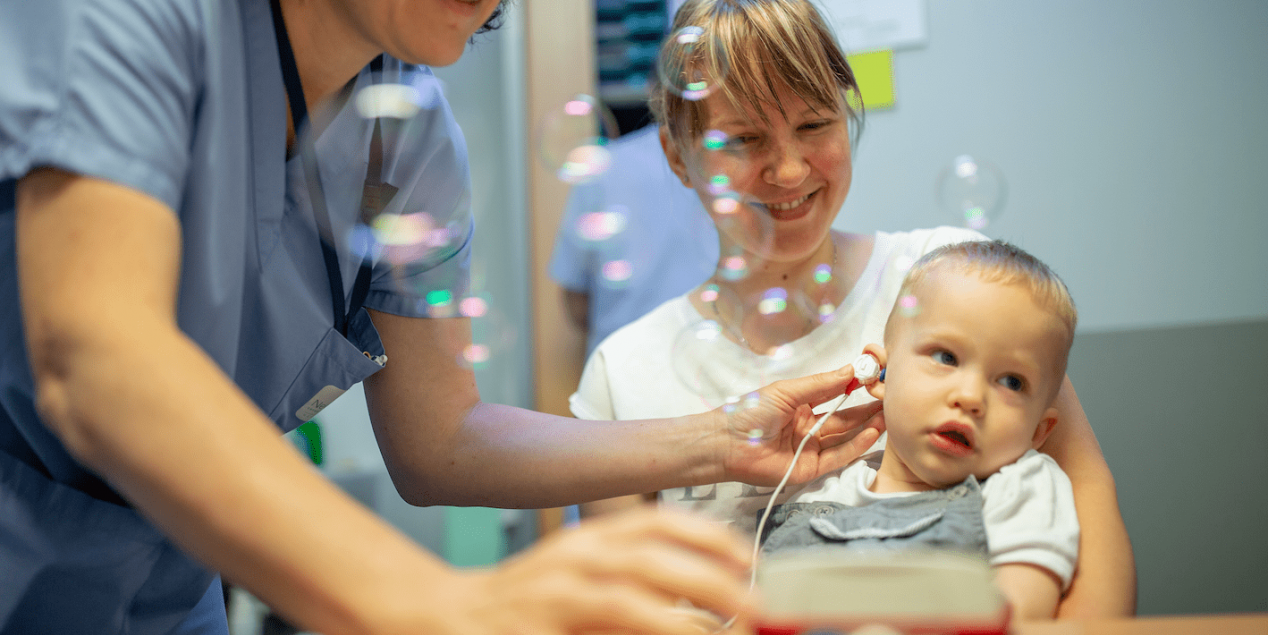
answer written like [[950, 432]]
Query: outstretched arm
[[443, 445], [1105, 580]]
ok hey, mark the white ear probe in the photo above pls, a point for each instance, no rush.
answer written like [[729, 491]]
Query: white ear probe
[[866, 370]]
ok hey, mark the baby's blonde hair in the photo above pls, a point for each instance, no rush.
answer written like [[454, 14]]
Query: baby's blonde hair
[[998, 262], [755, 47]]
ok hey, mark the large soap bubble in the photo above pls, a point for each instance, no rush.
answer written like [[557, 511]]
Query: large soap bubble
[[572, 139], [973, 190]]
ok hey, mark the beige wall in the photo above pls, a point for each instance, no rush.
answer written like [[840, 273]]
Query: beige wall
[[559, 63]]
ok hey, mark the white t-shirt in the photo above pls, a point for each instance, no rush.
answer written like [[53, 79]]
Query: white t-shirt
[[1027, 507], [635, 372]]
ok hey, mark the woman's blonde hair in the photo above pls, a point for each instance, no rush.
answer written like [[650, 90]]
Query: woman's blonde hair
[[754, 47]]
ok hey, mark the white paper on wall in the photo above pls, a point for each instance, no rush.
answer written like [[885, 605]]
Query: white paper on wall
[[870, 25]]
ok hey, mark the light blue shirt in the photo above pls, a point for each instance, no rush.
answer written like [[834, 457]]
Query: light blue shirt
[[184, 100], [668, 244]]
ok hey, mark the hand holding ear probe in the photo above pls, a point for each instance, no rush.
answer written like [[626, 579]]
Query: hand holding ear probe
[[866, 371]]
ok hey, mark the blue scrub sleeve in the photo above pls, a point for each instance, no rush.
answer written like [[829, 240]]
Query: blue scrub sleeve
[[104, 88], [425, 157]]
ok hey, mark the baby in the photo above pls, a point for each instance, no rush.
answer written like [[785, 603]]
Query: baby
[[975, 352]]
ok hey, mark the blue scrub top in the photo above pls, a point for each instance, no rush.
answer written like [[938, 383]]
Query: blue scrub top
[[184, 100]]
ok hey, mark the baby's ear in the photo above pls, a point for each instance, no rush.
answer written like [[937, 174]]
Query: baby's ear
[[877, 388], [1046, 424]]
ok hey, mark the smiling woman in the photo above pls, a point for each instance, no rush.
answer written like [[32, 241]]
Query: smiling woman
[[757, 113]]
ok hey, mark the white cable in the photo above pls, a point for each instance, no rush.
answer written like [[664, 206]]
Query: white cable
[[757, 539], [866, 370]]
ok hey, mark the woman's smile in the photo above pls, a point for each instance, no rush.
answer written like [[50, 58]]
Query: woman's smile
[[794, 209]]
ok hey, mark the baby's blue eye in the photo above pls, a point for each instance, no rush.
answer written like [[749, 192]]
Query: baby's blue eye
[[1012, 382], [943, 357]]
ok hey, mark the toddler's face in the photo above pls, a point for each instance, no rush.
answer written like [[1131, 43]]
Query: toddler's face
[[970, 379]]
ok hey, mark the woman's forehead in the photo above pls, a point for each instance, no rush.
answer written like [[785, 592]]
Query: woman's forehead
[[729, 108]]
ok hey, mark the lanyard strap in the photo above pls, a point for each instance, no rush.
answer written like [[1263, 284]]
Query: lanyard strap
[[308, 156]]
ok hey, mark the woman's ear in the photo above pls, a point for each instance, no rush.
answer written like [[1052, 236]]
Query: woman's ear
[[877, 388], [674, 157], [1046, 424]]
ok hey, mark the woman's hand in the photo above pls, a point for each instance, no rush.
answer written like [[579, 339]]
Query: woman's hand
[[626, 572], [783, 411]]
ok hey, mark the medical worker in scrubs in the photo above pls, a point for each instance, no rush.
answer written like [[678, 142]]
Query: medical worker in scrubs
[[174, 289]]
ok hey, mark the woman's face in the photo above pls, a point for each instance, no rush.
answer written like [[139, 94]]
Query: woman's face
[[430, 32], [791, 175]]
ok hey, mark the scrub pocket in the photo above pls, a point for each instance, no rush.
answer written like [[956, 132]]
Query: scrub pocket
[[949, 519], [70, 563], [334, 366]]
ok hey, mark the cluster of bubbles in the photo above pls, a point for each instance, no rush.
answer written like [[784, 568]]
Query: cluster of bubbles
[[491, 331], [403, 230], [572, 139], [972, 190], [416, 231]]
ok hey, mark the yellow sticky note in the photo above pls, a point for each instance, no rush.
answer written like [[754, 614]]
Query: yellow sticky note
[[874, 72]]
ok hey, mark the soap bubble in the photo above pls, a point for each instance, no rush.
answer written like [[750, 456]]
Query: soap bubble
[[733, 267], [719, 185], [972, 190], [572, 139], [726, 203], [713, 367], [781, 316], [491, 333], [747, 226], [712, 295], [691, 64], [715, 140], [909, 306], [602, 225], [401, 111], [616, 273], [736, 407]]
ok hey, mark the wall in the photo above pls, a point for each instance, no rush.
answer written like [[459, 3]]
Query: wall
[[1131, 135]]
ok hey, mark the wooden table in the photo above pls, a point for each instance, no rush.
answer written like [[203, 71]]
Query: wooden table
[[1224, 624]]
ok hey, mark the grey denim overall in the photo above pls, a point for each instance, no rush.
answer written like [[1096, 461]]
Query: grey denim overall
[[947, 519]]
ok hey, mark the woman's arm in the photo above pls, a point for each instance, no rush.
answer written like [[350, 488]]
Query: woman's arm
[[613, 505], [444, 446], [135, 400], [1031, 591], [1105, 581]]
